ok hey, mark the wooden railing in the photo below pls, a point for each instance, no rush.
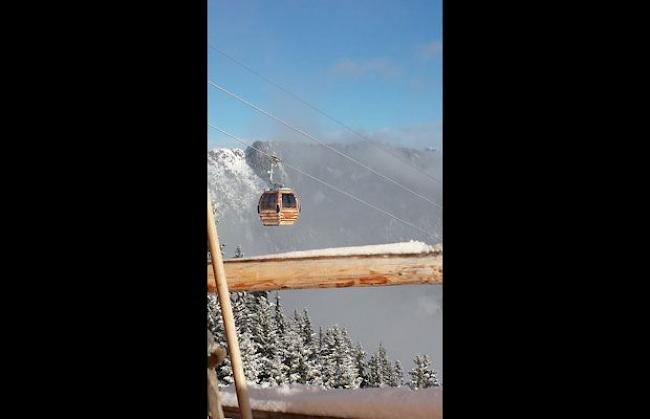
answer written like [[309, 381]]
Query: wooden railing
[[233, 413], [330, 272]]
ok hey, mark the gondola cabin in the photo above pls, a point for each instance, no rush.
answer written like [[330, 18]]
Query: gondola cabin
[[279, 207]]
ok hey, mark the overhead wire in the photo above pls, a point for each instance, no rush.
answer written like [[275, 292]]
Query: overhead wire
[[320, 111], [311, 137], [335, 188]]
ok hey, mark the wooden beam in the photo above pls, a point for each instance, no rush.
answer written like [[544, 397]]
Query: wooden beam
[[233, 413], [331, 271]]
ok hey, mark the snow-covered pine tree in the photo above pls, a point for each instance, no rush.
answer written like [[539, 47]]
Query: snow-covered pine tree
[[272, 344], [338, 366], [434, 381], [320, 339], [280, 372], [264, 336], [275, 350], [328, 350], [277, 372], [422, 376], [397, 378], [293, 344], [306, 361], [250, 359], [386, 367], [318, 355], [374, 372], [311, 351], [431, 378], [297, 353], [280, 320], [389, 375], [306, 329], [379, 368], [244, 307], [361, 365], [348, 376], [297, 323], [416, 373]]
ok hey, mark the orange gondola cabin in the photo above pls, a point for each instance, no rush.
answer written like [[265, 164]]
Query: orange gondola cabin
[[279, 207]]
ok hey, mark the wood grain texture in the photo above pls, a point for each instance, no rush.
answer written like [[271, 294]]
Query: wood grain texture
[[233, 413], [331, 272], [219, 282]]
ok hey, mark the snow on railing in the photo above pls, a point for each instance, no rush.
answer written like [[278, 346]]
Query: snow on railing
[[366, 403], [403, 248]]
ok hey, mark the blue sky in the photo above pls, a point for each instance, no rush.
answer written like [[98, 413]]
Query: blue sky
[[375, 65]]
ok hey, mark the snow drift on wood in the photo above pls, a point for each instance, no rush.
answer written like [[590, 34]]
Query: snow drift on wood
[[368, 403], [410, 247]]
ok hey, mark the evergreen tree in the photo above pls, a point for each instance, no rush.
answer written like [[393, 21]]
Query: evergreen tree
[[380, 371], [386, 368], [361, 365], [374, 372], [422, 376], [320, 339], [318, 355], [297, 323], [310, 351], [250, 358], [434, 379], [293, 345], [280, 321], [347, 373], [277, 372], [301, 358], [264, 336], [256, 316], [244, 306], [397, 378], [338, 367], [328, 357], [280, 362], [307, 330], [297, 354], [276, 350]]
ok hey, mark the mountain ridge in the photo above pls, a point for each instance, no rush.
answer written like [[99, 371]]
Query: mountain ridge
[[237, 177]]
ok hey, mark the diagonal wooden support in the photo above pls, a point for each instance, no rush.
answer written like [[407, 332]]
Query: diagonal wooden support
[[221, 286]]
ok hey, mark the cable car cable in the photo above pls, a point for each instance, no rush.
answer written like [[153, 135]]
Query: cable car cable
[[435, 237], [311, 137], [322, 112]]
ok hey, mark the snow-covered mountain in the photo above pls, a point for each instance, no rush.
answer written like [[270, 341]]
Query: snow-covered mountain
[[233, 184], [328, 219]]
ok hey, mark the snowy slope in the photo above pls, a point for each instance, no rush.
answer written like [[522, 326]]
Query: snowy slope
[[372, 403], [235, 187]]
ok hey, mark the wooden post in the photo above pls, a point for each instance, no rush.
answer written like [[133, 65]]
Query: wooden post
[[228, 319]]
